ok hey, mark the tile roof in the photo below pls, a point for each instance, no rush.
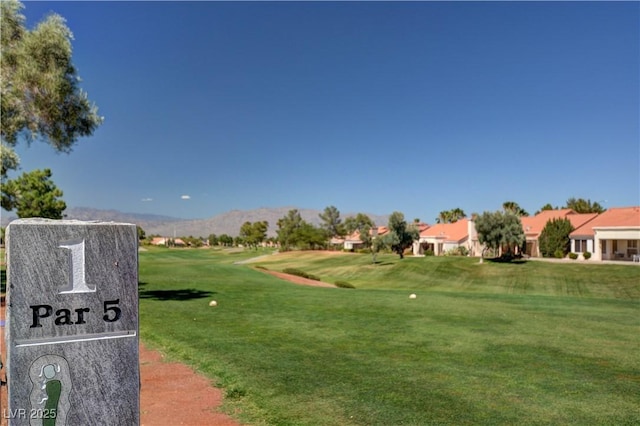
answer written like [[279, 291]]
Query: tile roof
[[454, 232], [355, 236], [579, 219], [422, 226], [616, 216], [533, 225]]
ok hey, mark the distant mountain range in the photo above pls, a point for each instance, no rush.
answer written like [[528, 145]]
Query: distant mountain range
[[226, 223]]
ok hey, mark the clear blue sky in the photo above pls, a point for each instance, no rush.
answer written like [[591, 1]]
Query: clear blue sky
[[369, 106]]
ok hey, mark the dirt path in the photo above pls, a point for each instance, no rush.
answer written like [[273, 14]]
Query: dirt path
[[295, 279], [173, 394]]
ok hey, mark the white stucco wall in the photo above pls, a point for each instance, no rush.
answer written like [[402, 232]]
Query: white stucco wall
[[604, 237]]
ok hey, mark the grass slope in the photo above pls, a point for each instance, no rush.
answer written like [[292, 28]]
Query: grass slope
[[532, 343]]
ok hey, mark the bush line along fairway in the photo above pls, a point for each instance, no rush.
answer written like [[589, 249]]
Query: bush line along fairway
[[531, 343]]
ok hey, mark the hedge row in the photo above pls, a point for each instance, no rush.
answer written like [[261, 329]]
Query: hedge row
[[299, 273]]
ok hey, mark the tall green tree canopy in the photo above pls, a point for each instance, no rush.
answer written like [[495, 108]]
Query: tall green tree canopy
[[295, 232], [309, 237], [254, 233], [500, 229], [331, 222], [554, 239], [287, 228], [40, 96], [580, 205], [401, 234], [33, 195], [358, 223], [225, 240]]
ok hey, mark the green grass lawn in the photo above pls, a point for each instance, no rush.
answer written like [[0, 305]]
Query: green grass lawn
[[530, 343]]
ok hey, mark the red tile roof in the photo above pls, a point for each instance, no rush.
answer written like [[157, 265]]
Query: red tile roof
[[579, 219], [533, 225], [454, 232], [613, 217], [355, 236], [422, 226]]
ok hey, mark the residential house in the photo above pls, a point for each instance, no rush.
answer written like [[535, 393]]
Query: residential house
[[533, 225], [162, 241], [612, 235], [443, 237], [353, 241]]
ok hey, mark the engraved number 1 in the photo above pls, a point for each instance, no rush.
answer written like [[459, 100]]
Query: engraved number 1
[[77, 283]]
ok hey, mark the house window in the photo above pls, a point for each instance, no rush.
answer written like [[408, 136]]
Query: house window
[[632, 248], [581, 246], [603, 246]]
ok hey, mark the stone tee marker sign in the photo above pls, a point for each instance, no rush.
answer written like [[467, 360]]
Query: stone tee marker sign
[[72, 323]]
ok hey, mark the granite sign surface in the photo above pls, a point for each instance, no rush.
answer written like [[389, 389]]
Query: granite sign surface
[[72, 323]]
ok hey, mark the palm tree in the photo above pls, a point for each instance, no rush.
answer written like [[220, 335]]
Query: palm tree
[[513, 207], [581, 205], [450, 216]]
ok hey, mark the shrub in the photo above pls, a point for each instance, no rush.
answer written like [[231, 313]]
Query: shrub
[[554, 237], [457, 251], [586, 255], [573, 256], [299, 273], [428, 252], [559, 254], [344, 284]]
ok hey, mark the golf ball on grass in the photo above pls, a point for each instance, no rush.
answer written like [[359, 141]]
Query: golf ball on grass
[[213, 303], [412, 296]]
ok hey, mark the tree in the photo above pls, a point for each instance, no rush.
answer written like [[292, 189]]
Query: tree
[[254, 233], [450, 216], [513, 207], [40, 97], [546, 207], [225, 240], [378, 244], [363, 225], [580, 205], [245, 230], [141, 233], [308, 237], [331, 222], [294, 232], [259, 232], [33, 194], [401, 235], [554, 239], [499, 229], [287, 228], [213, 240], [192, 241]]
